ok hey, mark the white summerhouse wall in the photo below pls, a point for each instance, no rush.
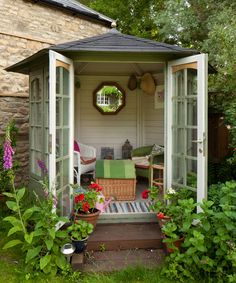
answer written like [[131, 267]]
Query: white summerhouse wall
[[138, 121], [153, 121]]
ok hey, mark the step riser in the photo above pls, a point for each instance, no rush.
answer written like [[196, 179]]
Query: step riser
[[122, 236]]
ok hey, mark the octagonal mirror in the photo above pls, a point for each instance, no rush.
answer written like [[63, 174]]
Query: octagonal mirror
[[109, 98]]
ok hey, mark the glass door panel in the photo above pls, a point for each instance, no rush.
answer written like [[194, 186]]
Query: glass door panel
[[186, 162], [61, 129], [183, 115], [36, 123]]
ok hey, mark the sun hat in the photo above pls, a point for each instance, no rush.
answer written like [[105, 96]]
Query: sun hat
[[148, 84]]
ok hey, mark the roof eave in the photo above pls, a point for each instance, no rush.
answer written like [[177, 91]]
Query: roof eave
[[105, 20], [23, 66]]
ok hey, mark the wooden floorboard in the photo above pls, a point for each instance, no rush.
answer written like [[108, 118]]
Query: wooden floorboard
[[125, 236]]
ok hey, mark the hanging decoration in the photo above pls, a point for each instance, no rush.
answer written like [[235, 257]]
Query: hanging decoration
[[132, 83], [148, 84]]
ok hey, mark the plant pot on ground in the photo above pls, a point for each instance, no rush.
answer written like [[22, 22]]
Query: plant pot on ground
[[79, 232], [171, 245]]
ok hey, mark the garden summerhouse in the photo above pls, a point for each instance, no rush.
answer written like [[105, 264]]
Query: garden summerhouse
[[67, 103]]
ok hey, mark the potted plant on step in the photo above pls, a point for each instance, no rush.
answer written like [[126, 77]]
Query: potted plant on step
[[182, 215], [85, 204], [79, 232], [175, 214]]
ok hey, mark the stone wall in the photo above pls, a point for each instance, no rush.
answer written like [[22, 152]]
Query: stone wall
[[16, 108], [26, 27]]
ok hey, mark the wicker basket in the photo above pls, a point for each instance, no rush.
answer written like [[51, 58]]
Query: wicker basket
[[119, 189]]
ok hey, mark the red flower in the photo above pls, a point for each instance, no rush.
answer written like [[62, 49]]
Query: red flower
[[160, 215], [94, 186], [79, 198], [98, 189], [145, 194], [86, 207]]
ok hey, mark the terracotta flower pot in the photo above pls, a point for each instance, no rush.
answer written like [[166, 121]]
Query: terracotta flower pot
[[177, 244], [91, 217], [162, 221]]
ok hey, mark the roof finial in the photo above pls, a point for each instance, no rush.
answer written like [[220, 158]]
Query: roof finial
[[113, 24]]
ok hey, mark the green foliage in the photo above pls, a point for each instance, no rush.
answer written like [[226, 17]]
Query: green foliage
[[133, 17], [80, 229], [223, 171], [209, 250], [34, 229], [108, 90], [5, 175]]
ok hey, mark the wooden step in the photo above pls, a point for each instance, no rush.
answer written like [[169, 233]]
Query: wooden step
[[124, 236]]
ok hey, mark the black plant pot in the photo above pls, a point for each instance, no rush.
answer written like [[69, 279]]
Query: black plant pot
[[80, 245]]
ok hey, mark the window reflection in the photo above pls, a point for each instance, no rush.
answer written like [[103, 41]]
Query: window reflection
[[109, 98]]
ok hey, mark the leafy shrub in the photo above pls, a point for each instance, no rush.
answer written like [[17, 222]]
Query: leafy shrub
[[35, 230], [223, 171], [209, 249]]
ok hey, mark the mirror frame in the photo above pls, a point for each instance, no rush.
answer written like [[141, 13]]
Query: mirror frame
[[101, 85]]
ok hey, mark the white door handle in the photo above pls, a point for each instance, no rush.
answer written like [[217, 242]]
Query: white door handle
[[197, 141]]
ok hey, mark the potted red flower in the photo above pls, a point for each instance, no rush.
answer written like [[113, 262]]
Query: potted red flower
[[174, 217], [85, 204]]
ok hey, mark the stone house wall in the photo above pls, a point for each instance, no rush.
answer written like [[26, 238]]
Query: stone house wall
[[26, 27]]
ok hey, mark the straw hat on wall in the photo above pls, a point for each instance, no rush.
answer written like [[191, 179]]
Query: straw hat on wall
[[148, 84]]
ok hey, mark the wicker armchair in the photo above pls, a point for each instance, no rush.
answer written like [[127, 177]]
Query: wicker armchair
[[84, 160]]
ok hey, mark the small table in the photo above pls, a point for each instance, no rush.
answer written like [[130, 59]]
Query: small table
[[159, 180]]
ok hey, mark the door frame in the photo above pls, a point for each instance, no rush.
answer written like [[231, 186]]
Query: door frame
[[202, 98]]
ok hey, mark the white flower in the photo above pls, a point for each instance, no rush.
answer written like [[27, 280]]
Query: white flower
[[171, 191]]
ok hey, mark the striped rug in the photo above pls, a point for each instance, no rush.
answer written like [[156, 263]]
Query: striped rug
[[128, 207]]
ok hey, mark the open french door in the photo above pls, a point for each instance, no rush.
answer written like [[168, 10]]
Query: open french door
[[186, 124], [61, 129]]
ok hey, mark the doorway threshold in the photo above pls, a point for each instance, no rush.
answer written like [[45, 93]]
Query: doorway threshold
[[128, 212]]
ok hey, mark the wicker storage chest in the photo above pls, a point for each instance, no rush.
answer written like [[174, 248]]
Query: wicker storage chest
[[117, 177]]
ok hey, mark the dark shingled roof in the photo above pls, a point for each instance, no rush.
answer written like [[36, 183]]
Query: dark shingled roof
[[116, 41], [112, 41], [77, 8]]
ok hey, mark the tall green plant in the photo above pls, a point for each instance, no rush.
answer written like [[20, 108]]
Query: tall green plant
[[209, 249], [34, 229]]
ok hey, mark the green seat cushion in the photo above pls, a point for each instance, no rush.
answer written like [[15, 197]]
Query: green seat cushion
[[142, 151], [115, 169]]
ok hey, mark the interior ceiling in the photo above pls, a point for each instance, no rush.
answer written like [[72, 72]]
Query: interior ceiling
[[122, 69]]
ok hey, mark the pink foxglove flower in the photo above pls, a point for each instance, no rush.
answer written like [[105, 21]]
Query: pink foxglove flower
[[42, 166], [8, 154]]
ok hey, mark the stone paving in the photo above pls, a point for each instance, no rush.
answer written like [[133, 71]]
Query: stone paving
[[107, 261]]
